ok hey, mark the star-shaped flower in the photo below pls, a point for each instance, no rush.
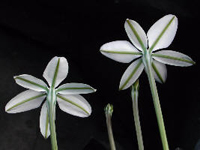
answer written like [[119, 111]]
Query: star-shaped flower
[[67, 95], [159, 36]]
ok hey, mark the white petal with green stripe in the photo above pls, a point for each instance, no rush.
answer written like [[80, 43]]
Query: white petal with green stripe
[[25, 101], [75, 88], [56, 71], [121, 51], [136, 34], [160, 71], [44, 121], [162, 33], [131, 74], [173, 58], [30, 82], [74, 104]]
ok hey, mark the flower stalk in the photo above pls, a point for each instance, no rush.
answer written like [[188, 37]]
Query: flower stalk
[[134, 95], [51, 113], [52, 129], [156, 102], [108, 113]]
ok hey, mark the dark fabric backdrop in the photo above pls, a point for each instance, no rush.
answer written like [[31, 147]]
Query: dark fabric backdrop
[[32, 32]]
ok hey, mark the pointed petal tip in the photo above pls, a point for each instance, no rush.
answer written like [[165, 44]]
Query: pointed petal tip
[[121, 89], [86, 115], [101, 49], [94, 90], [45, 136], [173, 15], [193, 62], [14, 77], [6, 110], [162, 82]]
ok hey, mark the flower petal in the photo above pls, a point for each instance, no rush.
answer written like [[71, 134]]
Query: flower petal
[[173, 58], [162, 33], [131, 74], [31, 82], [121, 51], [75, 88], [56, 71], [44, 121], [74, 104], [160, 71], [25, 101], [136, 34]]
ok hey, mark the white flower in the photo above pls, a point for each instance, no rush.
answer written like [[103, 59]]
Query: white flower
[[159, 36], [67, 95]]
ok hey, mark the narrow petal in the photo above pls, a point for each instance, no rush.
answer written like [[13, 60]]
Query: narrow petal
[[131, 74], [160, 71], [25, 101], [74, 104], [30, 82], [162, 33], [121, 51], [173, 58], [75, 88], [44, 121], [136, 34], [56, 71]]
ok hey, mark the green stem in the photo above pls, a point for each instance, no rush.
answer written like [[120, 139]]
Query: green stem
[[156, 102], [51, 112], [134, 94], [108, 113]]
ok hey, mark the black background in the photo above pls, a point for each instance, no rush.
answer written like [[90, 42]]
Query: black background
[[32, 32]]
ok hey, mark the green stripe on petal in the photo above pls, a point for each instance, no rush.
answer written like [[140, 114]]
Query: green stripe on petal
[[31, 82], [162, 33], [160, 71], [56, 71], [121, 51], [44, 121], [75, 88], [25, 101], [173, 58], [136, 34], [131, 74], [74, 104], [46, 126]]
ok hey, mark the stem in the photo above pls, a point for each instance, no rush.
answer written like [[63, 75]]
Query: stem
[[134, 94], [108, 113], [156, 102], [51, 112]]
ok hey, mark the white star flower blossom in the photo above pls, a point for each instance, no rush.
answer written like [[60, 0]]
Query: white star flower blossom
[[67, 95], [159, 36], [148, 56]]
